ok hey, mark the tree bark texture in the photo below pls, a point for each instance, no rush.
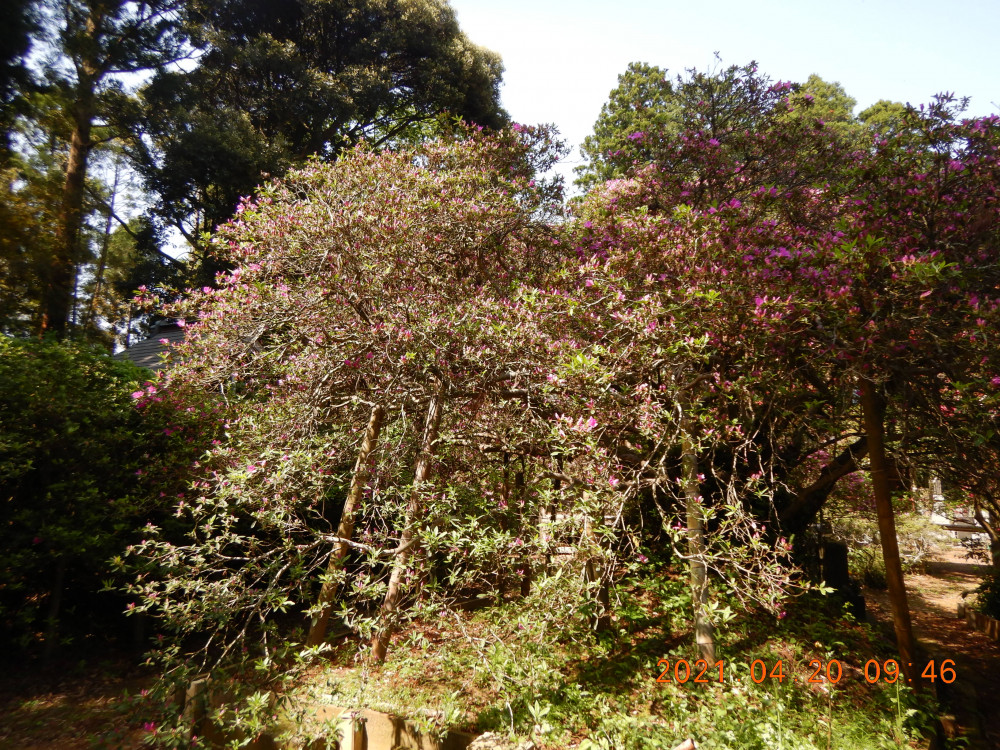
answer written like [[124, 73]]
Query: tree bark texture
[[703, 628], [595, 571], [421, 473], [873, 408], [102, 261], [520, 488], [345, 529], [802, 510], [58, 299]]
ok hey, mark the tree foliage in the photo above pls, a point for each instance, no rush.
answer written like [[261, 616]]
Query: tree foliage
[[27, 242], [20, 22], [825, 104], [228, 93], [694, 345], [846, 253], [99, 42], [644, 101], [431, 379], [383, 280], [762, 132]]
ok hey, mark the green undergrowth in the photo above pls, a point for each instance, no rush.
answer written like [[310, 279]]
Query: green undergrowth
[[534, 668]]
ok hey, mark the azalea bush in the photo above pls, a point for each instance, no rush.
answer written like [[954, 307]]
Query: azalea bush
[[875, 287], [378, 291], [988, 595], [883, 272], [423, 404]]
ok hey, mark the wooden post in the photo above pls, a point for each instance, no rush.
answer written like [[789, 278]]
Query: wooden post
[[345, 529], [595, 572], [421, 473], [520, 488]]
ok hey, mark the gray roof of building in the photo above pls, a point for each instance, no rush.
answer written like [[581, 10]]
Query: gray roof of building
[[151, 352]]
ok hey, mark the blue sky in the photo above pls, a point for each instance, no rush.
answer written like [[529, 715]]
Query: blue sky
[[563, 57]]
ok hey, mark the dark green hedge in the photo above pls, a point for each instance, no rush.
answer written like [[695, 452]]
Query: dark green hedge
[[82, 469]]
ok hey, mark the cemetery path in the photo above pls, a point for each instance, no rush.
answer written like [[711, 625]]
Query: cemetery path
[[934, 596]]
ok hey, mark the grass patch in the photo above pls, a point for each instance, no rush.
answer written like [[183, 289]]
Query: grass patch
[[533, 668]]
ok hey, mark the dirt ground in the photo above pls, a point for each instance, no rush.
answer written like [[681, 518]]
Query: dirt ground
[[68, 705], [934, 596], [59, 707]]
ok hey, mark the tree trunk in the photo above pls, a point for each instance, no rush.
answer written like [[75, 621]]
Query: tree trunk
[[703, 628], [345, 529], [993, 535], [102, 260], [807, 503], [873, 408], [58, 299], [421, 473]]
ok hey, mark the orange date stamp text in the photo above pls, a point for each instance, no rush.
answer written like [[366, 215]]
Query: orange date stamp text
[[681, 671]]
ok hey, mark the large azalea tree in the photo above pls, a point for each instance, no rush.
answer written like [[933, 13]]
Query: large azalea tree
[[367, 343], [852, 308]]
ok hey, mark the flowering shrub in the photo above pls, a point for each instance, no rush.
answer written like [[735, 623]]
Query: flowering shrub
[[382, 285]]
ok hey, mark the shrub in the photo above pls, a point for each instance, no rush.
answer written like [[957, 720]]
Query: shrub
[[988, 599], [81, 468]]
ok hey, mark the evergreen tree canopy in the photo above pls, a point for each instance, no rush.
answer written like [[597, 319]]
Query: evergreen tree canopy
[[278, 83]]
